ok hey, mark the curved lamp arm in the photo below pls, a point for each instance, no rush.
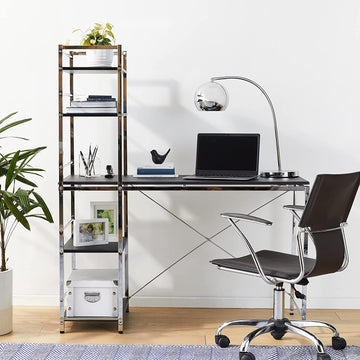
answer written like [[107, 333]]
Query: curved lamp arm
[[270, 104]]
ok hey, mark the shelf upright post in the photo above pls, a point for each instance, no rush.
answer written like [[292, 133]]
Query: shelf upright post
[[72, 162], [61, 195], [125, 193], [120, 174]]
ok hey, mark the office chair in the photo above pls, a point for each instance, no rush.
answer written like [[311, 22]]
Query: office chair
[[322, 220]]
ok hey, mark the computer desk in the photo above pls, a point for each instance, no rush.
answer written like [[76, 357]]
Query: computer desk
[[145, 184]]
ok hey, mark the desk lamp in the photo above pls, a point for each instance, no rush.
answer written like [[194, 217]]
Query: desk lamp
[[212, 96]]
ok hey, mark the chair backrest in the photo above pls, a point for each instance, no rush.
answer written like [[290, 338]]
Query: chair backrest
[[328, 206]]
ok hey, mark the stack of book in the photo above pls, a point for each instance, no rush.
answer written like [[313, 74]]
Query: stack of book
[[166, 169], [95, 104]]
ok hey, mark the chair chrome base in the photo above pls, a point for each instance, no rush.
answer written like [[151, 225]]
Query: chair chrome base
[[278, 326]]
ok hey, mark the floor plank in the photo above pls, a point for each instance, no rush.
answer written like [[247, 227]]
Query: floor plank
[[169, 326]]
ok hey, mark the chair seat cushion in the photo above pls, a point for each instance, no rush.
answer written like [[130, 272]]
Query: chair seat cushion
[[275, 264]]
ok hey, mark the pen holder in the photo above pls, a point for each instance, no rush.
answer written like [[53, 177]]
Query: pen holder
[[89, 171]]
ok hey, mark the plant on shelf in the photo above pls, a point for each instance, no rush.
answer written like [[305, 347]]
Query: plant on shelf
[[97, 35]]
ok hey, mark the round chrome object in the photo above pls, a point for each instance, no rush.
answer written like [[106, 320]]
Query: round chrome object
[[211, 96], [279, 174]]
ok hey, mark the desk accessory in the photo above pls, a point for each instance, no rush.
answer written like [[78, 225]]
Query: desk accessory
[[212, 96], [109, 172], [157, 158], [87, 164]]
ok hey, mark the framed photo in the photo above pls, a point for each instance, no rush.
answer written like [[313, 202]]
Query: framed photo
[[91, 232], [107, 210]]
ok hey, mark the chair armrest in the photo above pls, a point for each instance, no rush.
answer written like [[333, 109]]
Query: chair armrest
[[246, 218], [294, 207]]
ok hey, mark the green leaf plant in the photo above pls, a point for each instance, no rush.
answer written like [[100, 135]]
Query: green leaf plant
[[97, 35], [18, 199]]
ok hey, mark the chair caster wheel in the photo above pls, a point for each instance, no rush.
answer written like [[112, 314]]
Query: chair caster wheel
[[277, 335], [323, 356], [338, 343], [222, 340], [246, 356]]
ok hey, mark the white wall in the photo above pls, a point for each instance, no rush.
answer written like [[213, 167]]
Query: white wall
[[306, 54]]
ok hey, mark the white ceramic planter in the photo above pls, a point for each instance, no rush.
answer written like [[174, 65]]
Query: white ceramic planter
[[99, 57], [6, 301]]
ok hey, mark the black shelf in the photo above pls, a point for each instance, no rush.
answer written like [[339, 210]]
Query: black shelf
[[115, 114], [94, 180], [90, 69], [111, 247]]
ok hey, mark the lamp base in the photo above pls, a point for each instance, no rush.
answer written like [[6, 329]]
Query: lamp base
[[279, 174]]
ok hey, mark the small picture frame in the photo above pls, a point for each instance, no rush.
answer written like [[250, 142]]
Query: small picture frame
[[90, 232], [107, 210]]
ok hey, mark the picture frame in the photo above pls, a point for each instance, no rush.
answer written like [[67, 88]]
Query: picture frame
[[88, 232], [107, 210]]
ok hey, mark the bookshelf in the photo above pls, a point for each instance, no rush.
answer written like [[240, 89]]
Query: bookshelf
[[70, 183]]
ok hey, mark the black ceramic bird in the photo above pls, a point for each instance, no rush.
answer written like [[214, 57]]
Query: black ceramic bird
[[157, 158]]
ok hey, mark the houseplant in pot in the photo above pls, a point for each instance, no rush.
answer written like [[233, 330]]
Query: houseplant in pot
[[98, 35], [18, 203]]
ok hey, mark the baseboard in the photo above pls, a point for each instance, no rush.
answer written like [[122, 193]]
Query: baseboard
[[200, 302], [35, 300], [246, 303]]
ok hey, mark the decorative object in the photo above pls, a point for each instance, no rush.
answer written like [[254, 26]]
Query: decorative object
[[157, 158], [212, 96], [17, 204], [26, 351], [90, 232], [106, 210], [98, 35]]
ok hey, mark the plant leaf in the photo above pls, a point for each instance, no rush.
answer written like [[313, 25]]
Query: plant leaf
[[15, 123], [14, 210], [7, 116], [44, 207], [10, 175]]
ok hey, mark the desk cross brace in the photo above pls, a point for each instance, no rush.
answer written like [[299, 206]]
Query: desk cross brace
[[207, 239]]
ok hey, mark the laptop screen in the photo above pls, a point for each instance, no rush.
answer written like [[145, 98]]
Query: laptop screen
[[227, 154]]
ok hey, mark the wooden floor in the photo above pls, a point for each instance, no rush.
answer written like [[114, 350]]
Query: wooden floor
[[169, 326]]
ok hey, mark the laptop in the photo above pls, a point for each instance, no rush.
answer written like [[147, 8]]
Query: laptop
[[224, 156]]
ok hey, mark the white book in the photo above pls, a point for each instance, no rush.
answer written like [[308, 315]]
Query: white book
[[111, 103], [92, 110], [166, 165]]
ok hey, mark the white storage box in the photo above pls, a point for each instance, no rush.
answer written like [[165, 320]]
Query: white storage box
[[92, 293]]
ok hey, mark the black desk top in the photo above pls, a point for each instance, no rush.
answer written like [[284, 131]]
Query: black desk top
[[131, 182], [179, 180]]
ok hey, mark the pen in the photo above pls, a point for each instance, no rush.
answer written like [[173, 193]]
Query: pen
[[83, 159]]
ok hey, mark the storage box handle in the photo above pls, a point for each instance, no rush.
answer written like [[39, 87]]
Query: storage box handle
[[92, 297]]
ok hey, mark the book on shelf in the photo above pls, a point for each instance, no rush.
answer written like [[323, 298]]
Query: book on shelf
[[90, 103], [166, 169], [100, 98], [90, 110]]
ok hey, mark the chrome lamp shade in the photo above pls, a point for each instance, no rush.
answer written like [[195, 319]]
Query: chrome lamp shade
[[212, 96]]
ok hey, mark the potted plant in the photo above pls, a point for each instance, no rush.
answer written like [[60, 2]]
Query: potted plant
[[98, 35], [18, 202]]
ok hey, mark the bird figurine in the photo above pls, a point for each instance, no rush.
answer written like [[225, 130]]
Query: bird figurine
[[157, 158]]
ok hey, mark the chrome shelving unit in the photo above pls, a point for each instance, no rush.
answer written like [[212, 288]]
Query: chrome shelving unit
[[70, 183]]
